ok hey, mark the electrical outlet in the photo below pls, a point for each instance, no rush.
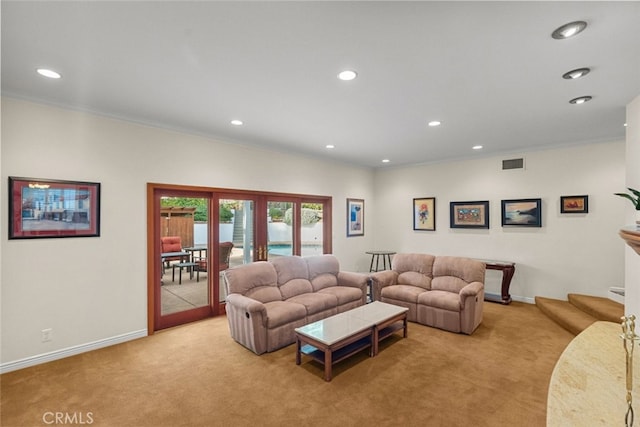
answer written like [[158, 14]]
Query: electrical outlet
[[47, 334]]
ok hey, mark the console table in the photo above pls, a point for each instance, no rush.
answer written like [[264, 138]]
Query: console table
[[508, 269]]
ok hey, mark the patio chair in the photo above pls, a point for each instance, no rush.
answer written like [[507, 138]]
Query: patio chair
[[225, 254], [171, 244]]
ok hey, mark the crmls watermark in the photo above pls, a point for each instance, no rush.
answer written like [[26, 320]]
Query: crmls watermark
[[67, 418]]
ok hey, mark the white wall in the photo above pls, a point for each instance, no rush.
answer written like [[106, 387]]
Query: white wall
[[93, 289], [570, 253], [632, 260]]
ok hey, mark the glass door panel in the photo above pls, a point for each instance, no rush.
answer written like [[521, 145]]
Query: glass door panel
[[236, 235], [183, 251], [312, 229], [281, 217]]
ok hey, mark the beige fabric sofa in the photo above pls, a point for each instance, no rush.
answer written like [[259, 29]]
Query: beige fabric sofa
[[441, 291], [266, 301]]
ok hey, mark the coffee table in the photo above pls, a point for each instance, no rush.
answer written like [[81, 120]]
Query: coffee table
[[335, 338]]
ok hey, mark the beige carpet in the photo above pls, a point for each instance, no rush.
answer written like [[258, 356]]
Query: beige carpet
[[196, 375]]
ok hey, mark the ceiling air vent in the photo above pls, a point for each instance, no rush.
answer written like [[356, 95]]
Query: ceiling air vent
[[512, 164]]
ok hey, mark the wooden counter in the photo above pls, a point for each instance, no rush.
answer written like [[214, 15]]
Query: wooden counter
[[588, 384], [631, 235]]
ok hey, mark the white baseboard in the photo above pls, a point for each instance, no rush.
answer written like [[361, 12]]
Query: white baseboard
[[70, 351], [496, 298], [523, 299], [616, 294]]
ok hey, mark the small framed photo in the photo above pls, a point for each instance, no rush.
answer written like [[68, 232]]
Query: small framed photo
[[355, 217], [46, 208], [469, 214], [522, 212], [424, 213], [574, 204]]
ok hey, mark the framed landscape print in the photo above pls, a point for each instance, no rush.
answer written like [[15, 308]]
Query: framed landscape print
[[355, 217], [469, 214], [424, 213], [522, 212], [42, 208], [574, 204]]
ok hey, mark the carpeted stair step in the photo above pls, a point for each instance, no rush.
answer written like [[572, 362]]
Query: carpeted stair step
[[598, 307], [565, 314]]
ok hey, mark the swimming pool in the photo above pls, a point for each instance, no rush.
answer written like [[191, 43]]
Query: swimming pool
[[285, 250]]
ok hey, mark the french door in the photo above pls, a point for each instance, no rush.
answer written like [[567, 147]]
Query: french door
[[220, 229]]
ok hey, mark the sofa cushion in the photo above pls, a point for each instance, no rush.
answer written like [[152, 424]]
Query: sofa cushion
[[414, 269], [451, 274], [315, 302], [402, 293], [283, 312], [257, 280], [323, 271], [293, 276], [344, 294], [440, 299]]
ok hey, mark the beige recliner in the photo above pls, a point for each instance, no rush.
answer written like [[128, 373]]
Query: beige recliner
[[445, 292]]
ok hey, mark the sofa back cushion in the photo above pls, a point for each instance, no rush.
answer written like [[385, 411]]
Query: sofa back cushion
[[414, 269], [454, 273], [257, 280], [293, 276], [323, 271]]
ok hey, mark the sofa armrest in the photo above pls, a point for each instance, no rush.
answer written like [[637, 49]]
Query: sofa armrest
[[355, 280], [382, 279], [252, 307], [471, 290], [247, 322]]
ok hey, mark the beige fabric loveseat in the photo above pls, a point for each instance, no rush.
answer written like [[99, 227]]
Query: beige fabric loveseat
[[441, 291], [266, 301]]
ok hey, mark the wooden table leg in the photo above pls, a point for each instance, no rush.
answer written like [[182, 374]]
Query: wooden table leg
[[507, 275], [327, 364], [298, 355], [404, 321]]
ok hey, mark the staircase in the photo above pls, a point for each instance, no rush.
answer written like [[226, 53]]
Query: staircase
[[580, 311]]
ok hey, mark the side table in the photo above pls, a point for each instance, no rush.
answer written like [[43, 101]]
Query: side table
[[375, 256]]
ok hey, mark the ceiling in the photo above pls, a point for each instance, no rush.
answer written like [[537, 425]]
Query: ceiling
[[489, 71]]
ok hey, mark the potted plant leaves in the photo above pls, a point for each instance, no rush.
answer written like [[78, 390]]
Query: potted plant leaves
[[634, 197]]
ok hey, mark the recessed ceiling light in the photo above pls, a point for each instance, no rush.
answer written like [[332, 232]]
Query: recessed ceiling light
[[576, 74], [48, 73], [236, 122], [625, 125], [434, 123], [580, 100], [477, 147], [347, 75], [569, 30], [386, 161], [330, 146]]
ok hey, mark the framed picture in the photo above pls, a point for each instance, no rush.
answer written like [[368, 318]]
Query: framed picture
[[522, 212], [469, 214], [574, 204], [44, 208], [424, 213], [355, 217]]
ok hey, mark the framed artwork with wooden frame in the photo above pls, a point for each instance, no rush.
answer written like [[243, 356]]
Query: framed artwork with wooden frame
[[355, 217], [574, 204], [424, 213], [47, 208], [522, 212], [469, 214]]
